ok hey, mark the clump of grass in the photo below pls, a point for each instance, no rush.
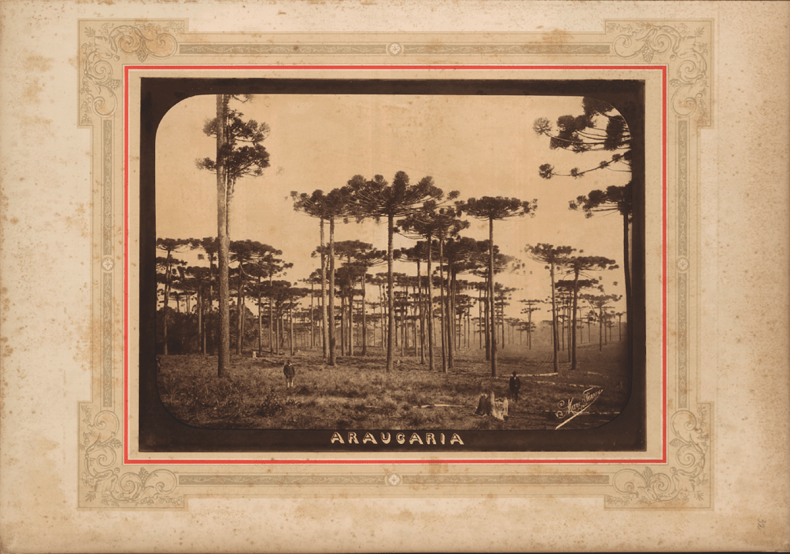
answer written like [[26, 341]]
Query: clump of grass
[[388, 406], [416, 419], [416, 398]]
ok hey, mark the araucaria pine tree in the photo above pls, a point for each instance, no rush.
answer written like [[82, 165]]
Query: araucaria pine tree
[[239, 154], [494, 208]]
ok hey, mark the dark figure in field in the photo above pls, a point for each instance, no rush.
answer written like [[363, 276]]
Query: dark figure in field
[[289, 372], [515, 386]]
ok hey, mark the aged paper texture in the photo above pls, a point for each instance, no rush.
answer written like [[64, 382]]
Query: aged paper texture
[[671, 433]]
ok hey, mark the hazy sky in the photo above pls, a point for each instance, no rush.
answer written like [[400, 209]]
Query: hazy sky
[[478, 145]]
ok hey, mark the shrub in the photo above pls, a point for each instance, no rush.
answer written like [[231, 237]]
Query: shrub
[[269, 405]]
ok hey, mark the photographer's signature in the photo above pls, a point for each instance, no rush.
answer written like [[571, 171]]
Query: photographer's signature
[[572, 407]]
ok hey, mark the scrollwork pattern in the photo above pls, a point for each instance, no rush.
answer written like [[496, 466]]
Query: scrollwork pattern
[[685, 53], [685, 482], [104, 47], [105, 481]]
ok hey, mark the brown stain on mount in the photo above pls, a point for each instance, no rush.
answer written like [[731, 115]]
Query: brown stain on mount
[[556, 36], [33, 90], [78, 220], [38, 63]]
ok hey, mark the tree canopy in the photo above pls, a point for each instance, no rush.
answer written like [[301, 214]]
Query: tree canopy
[[243, 154], [334, 204], [613, 199], [599, 128], [492, 208]]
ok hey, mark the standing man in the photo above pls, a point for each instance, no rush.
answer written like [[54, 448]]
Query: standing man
[[289, 372], [515, 386]]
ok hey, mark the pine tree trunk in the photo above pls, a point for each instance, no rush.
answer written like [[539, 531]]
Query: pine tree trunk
[[415, 343], [442, 318], [628, 299], [199, 309], [223, 240], [166, 302], [291, 328], [332, 339], [569, 319], [422, 314], [600, 329], [280, 330], [529, 326], [505, 327], [573, 324], [342, 324], [487, 320], [451, 320], [460, 331], [210, 303], [480, 318], [382, 319], [364, 315], [260, 315], [271, 312], [555, 338], [491, 291], [468, 323], [430, 306], [402, 329], [312, 315], [324, 316], [390, 292], [240, 312], [345, 325], [351, 318]]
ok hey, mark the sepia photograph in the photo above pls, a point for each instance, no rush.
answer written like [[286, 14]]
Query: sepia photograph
[[396, 263]]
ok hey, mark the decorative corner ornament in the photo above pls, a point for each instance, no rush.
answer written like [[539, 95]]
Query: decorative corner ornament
[[686, 483], [684, 50], [104, 47], [101, 476]]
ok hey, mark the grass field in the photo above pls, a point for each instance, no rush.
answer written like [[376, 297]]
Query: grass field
[[358, 393]]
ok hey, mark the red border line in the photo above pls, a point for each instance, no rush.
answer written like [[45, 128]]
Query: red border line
[[128, 68], [664, 262], [126, 264]]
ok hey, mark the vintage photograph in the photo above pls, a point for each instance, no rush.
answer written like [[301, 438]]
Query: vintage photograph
[[395, 265], [481, 276]]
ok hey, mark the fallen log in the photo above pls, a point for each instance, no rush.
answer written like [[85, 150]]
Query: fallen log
[[541, 374], [565, 384]]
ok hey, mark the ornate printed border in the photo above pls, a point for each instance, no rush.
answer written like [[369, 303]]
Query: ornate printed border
[[107, 45]]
